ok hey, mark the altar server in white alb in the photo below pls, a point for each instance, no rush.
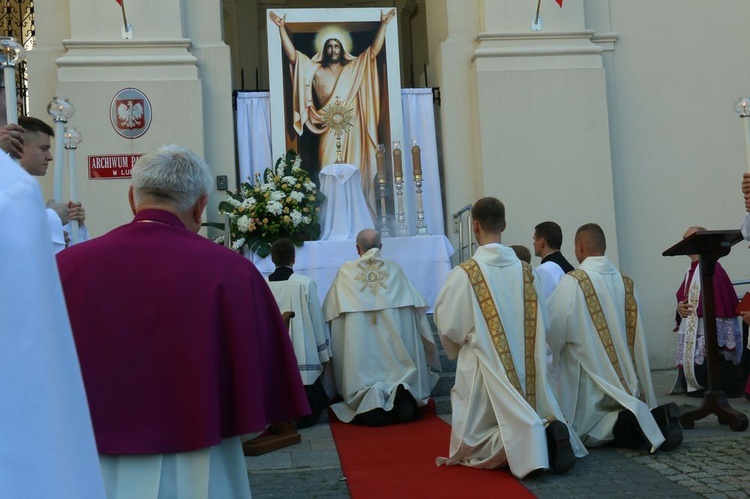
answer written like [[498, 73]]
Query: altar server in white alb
[[489, 315], [308, 330], [598, 342], [382, 343], [48, 447]]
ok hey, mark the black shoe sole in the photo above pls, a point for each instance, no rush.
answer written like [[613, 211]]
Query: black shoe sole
[[561, 457], [667, 417]]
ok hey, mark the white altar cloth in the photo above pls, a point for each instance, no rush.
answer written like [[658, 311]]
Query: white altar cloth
[[344, 211], [425, 260]]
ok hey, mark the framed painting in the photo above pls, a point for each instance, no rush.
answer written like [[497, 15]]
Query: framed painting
[[335, 88]]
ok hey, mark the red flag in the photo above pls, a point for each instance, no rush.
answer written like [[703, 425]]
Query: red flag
[[559, 2], [120, 2]]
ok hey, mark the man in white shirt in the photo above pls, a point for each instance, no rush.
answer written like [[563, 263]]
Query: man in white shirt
[[548, 239]]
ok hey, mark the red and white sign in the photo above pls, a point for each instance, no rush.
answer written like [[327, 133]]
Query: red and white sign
[[111, 166]]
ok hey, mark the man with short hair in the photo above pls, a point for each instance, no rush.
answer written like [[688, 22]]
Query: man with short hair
[[548, 240], [597, 339], [490, 316], [381, 340], [35, 159], [308, 329], [185, 350]]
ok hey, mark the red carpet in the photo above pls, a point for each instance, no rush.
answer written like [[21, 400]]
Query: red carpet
[[399, 461]]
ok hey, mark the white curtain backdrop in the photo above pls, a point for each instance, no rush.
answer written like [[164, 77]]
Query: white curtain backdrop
[[254, 149], [253, 133], [419, 125]]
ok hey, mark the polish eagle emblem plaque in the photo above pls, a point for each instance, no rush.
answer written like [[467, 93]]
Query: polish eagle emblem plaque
[[130, 113]]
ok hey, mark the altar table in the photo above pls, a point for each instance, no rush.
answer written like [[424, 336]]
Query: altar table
[[425, 260]]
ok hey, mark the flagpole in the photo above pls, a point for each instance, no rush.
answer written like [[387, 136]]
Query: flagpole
[[538, 5], [124, 17]]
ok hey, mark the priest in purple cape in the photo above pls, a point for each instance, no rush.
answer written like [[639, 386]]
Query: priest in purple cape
[[181, 343]]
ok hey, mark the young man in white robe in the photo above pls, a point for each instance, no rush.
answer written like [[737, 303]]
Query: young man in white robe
[[490, 315], [382, 343], [598, 342]]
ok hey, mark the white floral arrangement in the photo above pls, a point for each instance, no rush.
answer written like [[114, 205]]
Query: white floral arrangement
[[283, 202]]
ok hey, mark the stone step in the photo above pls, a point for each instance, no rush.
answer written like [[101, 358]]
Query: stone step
[[445, 384], [448, 365], [442, 404]]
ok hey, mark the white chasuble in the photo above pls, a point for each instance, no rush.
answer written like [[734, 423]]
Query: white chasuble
[[380, 336], [494, 423], [599, 377]]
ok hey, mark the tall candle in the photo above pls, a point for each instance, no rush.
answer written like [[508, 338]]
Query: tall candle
[[398, 169], [380, 157], [416, 158]]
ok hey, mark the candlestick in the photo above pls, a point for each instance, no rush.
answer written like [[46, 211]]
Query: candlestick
[[380, 159], [384, 231], [421, 226], [11, 53], [416, 159], [61, 110], [401, 228], [743, 109], [398, 170], [72, 138]]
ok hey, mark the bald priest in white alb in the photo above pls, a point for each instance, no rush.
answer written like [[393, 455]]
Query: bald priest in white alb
[[381, 341], [597, 340]]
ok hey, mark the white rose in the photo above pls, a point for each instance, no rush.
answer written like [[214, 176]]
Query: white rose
[[297, 196], [296, 217], [243, 223], [274, 208]]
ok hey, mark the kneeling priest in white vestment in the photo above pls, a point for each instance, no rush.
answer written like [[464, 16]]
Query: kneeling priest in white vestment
[[490, 316], [381, 340], [598, 342]]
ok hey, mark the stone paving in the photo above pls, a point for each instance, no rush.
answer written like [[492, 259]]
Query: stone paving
[[712, 462]]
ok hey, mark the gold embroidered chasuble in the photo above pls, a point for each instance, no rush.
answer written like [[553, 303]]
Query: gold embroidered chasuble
[[597, 340], [491, 319], [497, 331], [600, 323]]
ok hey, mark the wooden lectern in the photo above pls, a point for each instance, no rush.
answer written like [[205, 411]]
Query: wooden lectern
[[710, 245]]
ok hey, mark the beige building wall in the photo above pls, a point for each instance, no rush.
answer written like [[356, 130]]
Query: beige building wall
[[618, 112], [641, 138], [176, 57], [678, 155]]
